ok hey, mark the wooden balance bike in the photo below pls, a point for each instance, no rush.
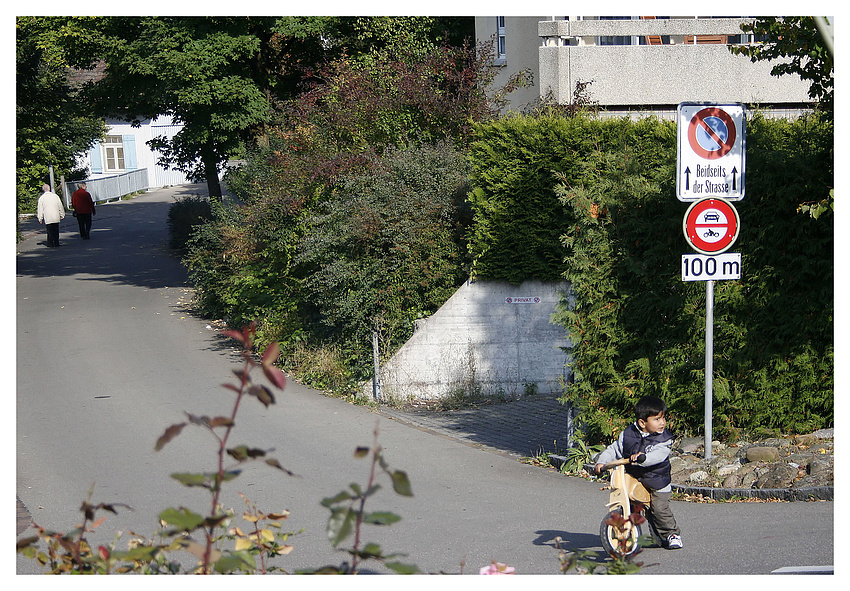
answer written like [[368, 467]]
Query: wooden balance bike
[[619, 535]]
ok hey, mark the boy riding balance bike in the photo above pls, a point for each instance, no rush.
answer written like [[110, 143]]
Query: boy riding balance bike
[[642, 453]]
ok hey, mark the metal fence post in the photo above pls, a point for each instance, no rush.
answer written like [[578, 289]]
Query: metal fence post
[[376, 377]]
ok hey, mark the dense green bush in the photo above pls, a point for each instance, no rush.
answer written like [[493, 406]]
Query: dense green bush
[[638, 329], [184, 216], [516, 164], [385, 249], [240, 265], [377, 251]]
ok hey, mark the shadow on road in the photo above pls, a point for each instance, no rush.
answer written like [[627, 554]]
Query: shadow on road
[[128, 245]]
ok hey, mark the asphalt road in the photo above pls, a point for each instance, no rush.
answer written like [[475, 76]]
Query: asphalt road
[[107, 358]]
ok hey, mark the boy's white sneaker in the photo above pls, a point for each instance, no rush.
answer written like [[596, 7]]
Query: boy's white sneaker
[[674, 542]]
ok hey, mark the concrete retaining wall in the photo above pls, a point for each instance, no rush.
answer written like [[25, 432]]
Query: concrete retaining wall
[[489, 338]]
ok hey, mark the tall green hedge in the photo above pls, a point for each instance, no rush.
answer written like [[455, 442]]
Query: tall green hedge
[[608, 189], [516, 163]]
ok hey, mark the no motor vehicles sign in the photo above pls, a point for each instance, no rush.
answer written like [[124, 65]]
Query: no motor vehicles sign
[[711, 149], [711, 226]]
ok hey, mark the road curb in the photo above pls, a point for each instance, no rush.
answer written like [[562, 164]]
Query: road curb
[[813, 493]]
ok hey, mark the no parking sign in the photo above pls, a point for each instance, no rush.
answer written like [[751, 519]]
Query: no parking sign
[[711, 149]]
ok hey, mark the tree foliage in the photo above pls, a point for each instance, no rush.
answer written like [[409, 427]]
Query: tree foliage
[[52, 125], [209, 74], [386, 248], [796, 44]]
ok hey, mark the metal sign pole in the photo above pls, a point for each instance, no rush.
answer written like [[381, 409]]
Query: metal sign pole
[[709, 363]]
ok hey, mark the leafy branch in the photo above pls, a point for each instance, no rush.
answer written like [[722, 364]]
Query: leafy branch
[[348, 515], [221, 428]]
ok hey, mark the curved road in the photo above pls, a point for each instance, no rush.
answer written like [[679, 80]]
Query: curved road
[[107, 358]]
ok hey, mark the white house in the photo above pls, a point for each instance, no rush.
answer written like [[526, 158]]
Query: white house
[[125, 149], [638, 65]]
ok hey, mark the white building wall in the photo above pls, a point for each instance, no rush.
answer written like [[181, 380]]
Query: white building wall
[[639, 78], [658, 75], [145, 158], [521, 41]]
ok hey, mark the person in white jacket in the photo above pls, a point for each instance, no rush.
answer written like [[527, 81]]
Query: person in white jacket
[[50, 212]]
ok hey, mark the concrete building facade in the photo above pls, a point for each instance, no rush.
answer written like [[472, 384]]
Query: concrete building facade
[[638, 65]]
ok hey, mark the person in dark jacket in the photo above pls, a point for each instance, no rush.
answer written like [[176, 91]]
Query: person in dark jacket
[[83, 206], [649, 435]]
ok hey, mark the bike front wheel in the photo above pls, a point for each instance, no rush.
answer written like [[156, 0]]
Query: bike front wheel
[[619, 541]]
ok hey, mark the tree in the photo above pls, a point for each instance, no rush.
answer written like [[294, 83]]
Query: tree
[[217, 76], [53, 126], [797, 41], [187, 68]]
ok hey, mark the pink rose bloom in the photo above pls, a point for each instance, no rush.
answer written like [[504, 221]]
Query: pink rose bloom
[[497, 568]]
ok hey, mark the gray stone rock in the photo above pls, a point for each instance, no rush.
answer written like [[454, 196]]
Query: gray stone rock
[[762, 454], [801, 459], [777, 442], [732, 481], [819, 466], [806, 440], [691, 445], [698, 477], [748, 479], [779, 475], [728, 469]]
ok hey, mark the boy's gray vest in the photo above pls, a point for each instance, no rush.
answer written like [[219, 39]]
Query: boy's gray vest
[[656, 476]]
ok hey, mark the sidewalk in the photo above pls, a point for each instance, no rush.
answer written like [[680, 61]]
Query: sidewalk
[[521, 428]]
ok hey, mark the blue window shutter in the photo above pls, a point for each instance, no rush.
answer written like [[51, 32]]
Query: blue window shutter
[[96, 159], [130, 162]]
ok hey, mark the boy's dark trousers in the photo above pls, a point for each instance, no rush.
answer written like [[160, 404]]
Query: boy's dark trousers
[[661, 515]]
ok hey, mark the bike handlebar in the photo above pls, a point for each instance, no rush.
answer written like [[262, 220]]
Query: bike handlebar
[[621, 462]]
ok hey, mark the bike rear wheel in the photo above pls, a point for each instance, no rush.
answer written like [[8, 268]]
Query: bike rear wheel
[[619, 543]]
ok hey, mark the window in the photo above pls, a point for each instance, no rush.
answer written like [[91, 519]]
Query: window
[[501, 55], [617, 39], [113, 153]]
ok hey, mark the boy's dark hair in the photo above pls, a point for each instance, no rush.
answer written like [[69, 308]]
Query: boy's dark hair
[[649, 406]]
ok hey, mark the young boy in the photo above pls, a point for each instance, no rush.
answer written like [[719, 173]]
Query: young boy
[[648, 435]]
